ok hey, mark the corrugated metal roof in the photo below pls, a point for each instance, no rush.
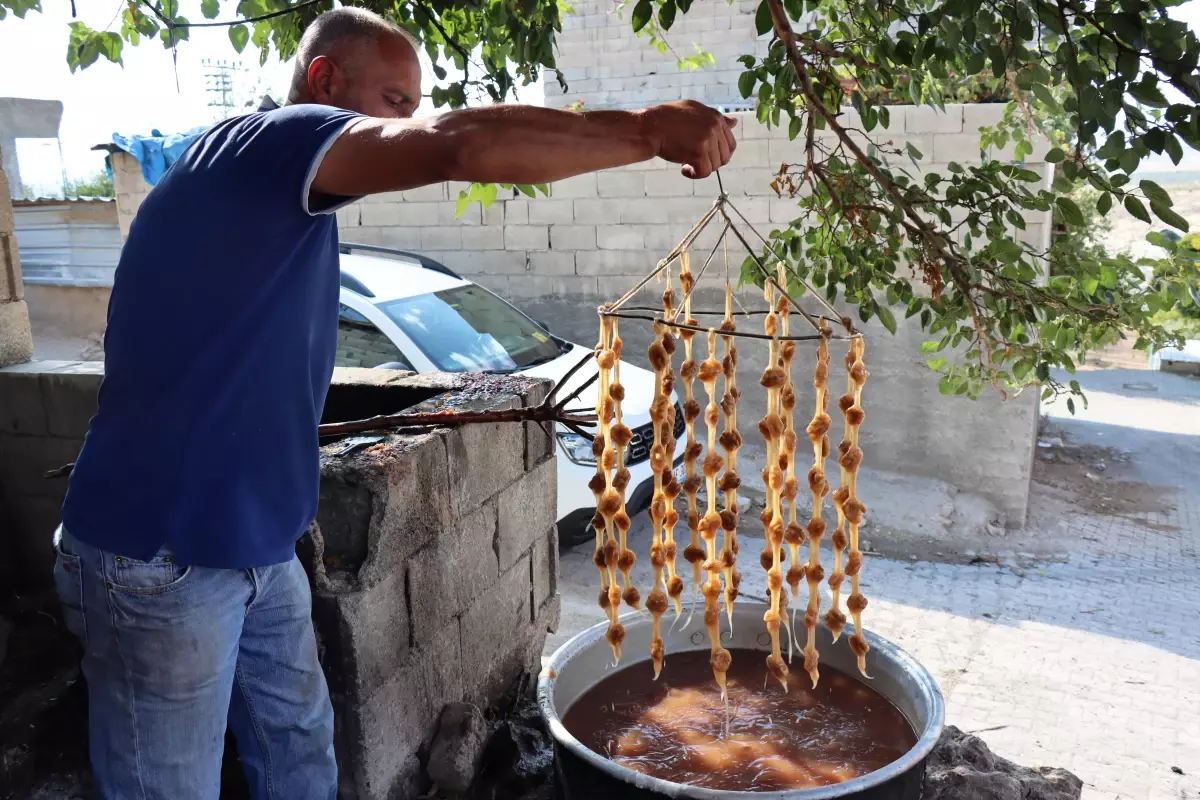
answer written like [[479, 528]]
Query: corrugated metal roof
[[52, 201]]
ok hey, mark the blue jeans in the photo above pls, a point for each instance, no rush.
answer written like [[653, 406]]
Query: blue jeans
[[173, 654]]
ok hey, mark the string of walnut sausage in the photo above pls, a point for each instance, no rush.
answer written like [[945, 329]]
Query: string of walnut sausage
[[694, 552], [710, 523], [731, 441], [853, 508], [605, 485], [772, 428]]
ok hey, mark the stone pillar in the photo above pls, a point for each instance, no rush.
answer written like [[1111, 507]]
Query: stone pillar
[[16, 340], [130, 188]]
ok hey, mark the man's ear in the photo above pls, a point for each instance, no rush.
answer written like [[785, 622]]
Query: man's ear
[[321, 74]]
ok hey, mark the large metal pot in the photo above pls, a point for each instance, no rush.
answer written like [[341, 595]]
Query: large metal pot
[[586, 659]]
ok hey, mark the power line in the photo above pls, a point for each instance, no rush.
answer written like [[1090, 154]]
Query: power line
[[170, 23]]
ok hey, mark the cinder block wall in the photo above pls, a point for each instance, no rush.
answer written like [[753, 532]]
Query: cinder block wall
[[130, 188], [607, 66], [560, 256], [435, 566], [442, 565]]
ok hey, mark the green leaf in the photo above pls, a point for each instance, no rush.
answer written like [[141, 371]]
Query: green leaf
[[886, 317], [641, 15], [485, 193], [937, 364], [1071, 405], [1135, 207], [762, 18], [666, 15], [1021, 368], [930, 347], [1104, 203], [1055, 155], [238, 36], [1070, 211], [794, 8], [210, 8], [746, 83], [1169, 216], [464, 200], [1108, 277], [1155, 193], [1090, 285], [526, 190]]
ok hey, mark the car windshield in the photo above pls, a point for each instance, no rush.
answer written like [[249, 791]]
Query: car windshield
[[469, 329]]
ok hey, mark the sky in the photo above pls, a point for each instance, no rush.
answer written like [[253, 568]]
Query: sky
[[151, 91]]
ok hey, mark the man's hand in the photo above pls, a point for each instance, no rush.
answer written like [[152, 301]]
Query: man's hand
[[520, 144], [692, 134]]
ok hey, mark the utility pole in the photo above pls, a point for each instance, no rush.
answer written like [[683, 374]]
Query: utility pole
[[219, 76]]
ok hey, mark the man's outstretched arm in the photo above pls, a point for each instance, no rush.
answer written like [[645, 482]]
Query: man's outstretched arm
[[520, 144]]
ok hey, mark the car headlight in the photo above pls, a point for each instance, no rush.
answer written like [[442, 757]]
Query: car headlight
[[577, 448]]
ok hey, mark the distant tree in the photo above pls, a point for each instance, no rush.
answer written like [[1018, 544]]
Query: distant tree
[[99, 185], [1108, 82]]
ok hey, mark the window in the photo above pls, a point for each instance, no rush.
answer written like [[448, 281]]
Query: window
[[361, 344], [469, 329]]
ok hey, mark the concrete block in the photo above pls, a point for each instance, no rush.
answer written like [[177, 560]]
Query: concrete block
[[660, 239], [572, 288], [23, 411], [669, 183], [783, 209], [581, 186], [540, 442], [447, 238], [493, 214], [688, 210], [526, 509], [551, 212], [16, 340], [981, 115], [644, 211], [380, 508], [446, 576], [620, 183], [526, 237], [7, 220], [487, 262], [614, 262], [365, 633], [552, 263], [484, 238], [484, 459], [927, 119], [400, 238], [431, 193], [496, 633], [598, 212], [399, 214], [619, 237], [387, 729], [544, 569], [516, 212], [349, 216], [70, 402], [960, 147], [572, 237]]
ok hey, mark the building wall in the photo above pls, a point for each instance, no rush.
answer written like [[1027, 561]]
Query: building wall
[[130, 187], [559, 257], [607, 66]]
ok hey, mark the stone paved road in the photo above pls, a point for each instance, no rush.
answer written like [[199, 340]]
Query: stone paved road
[[1090, 661]]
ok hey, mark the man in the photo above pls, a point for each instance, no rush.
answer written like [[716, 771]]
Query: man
[[176, 559]]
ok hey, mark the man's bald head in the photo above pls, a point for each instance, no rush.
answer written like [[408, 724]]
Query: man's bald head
[[354, 59]]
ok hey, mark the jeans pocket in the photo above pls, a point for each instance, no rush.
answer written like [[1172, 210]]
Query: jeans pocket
[[68, 580], [160, 574]]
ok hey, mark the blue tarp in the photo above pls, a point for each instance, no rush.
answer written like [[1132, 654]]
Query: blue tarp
[[156, 152]]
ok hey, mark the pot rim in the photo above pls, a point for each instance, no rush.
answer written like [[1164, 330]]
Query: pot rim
[[929, 691]]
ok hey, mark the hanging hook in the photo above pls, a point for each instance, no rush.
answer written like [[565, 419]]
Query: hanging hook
[[720, 186]]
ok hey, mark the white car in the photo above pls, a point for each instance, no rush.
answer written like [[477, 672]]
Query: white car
[[401, 310]]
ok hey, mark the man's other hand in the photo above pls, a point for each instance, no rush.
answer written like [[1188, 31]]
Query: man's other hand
[[691, 134]]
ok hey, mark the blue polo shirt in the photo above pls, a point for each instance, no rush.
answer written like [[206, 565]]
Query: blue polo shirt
[[219, 350]]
